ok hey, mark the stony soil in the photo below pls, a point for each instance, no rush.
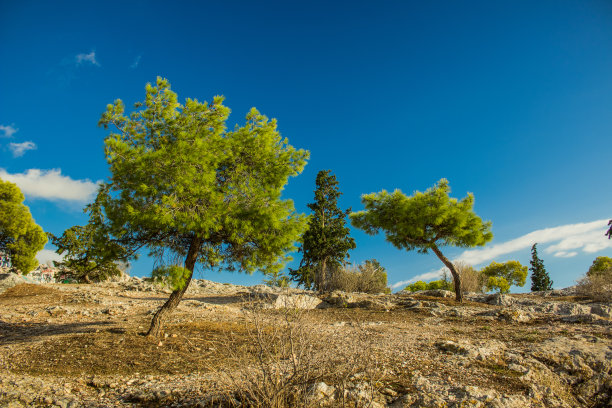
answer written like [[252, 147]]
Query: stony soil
[[82, 346]]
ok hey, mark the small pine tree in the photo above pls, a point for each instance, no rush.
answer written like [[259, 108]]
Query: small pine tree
[[326, 242], [539, 277]]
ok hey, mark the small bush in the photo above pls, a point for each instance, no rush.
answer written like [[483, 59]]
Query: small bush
[[284, 360], [597, 286], [471, 279], [437, 284], [370, 277]]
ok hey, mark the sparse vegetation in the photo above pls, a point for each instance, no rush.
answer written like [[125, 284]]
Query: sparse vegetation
[[370, 277], [597, 284]]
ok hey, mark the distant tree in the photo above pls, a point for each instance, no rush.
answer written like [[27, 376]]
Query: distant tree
[[425, 221], [276, 279], [432, 285], [90, 253], [326, 242], [501, 276], [539, 277], [600, 266], [20, 237], [193, 192]]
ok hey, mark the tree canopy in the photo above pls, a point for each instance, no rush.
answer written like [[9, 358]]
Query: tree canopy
[[600, 265], [424, 221], [194, 192], [20, 237], [539, 277], [326, 242], [501, 276], [89, 251]]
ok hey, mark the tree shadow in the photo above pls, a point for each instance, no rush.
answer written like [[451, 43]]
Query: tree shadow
[[17, 333]]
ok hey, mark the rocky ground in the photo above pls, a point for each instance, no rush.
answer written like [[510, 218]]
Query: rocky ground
[[82, 346]]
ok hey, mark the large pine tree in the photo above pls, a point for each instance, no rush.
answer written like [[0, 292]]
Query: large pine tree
[[539, 277], [326, 242]]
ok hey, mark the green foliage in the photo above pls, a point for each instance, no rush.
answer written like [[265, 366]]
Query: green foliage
[[90, 253], [20, 236], [601, 265], [173, 276], [187, 188], [276, 279], [501, 276], [326, 242], [437, 284], [424, 221], [539, 277]]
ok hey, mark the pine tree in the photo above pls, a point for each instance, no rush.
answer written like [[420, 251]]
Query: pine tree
[[424, 221], [539, 277], [326, 242], [192, 191]]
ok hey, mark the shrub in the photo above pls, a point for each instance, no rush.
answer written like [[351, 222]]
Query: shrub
[[370, 277], [471, 279], [597, 284], [437, 284], [283, 359]]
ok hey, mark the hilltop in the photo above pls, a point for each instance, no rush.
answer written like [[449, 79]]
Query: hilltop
[[73, 345]]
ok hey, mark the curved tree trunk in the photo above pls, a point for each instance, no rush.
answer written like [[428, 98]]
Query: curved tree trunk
[[176, 295], [451, 267]]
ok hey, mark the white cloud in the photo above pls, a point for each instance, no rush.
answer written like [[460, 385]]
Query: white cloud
[[424, 277], [46, 256], [136, 62], [588, 236], [19, 149], [566, 242], [7, 131], [91, 58], [563, 254], [51, 185]]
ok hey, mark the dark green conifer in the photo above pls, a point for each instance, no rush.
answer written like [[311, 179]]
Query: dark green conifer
[[539, 277], [326, 242]]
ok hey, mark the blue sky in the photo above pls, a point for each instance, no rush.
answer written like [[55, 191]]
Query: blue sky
[[509, 100]]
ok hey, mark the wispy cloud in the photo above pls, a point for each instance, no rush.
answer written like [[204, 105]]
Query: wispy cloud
[[86, 58], [19, 149], [136, 62], [51, 185], [566, 240], [7, 130]]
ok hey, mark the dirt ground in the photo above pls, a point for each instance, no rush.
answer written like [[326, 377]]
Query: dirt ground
[[85, 343]]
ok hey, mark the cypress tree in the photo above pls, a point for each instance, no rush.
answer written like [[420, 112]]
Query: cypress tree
[[539, 277], [326, 242]]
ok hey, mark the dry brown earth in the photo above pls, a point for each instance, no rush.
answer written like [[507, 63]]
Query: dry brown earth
[[82, 345]]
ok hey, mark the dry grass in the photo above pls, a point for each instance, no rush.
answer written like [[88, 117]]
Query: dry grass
[[597, 286], [285, 359]]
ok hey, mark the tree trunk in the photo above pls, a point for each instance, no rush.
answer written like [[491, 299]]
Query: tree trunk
[[176, 295], [322, 276], [451, 267]]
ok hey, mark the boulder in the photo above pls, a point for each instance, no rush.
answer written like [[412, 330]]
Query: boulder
[[296, 301]]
